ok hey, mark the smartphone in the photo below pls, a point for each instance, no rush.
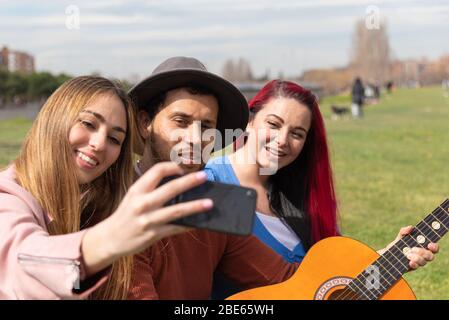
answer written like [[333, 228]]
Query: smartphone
[[233, 211]]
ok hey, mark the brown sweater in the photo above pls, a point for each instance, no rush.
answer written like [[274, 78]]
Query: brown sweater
[[182, 266]]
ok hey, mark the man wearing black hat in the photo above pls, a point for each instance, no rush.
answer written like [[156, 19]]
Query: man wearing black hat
[[176, 105]]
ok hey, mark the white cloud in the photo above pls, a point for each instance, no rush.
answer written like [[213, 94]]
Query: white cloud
[[258, 5], [118, 37], [86, 20], [419, 15]]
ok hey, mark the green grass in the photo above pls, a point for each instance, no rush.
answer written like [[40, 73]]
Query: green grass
[[12, 133], [391, 169]]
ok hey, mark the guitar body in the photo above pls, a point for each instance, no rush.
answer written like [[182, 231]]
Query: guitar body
[[326, 269]]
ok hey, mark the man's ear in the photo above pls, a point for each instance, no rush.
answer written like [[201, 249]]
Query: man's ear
[[144, 124]]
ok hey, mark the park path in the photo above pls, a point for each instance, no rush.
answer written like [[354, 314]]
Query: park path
[[27, 111]]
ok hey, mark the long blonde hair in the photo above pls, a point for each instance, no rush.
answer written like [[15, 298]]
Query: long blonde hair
[[45, 168]]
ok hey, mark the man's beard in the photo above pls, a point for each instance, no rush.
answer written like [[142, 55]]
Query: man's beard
[[158, 154]]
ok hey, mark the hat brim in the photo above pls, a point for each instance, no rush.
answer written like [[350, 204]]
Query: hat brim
[[233, 108]]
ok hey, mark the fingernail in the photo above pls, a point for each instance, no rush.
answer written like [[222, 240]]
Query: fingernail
[[208, 204], [201, 175]]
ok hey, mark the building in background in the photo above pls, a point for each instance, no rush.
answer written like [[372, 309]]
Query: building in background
[[16, 61]]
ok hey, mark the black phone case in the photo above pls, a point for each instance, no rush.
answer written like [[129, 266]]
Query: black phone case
[[233, 211]]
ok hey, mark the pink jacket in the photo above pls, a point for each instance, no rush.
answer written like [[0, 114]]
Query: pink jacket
[[33, 264]]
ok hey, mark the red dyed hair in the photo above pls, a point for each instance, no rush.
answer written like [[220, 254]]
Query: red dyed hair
[[319, 195]]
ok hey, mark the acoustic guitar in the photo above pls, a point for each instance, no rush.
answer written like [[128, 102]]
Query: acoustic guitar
[[340, 268]]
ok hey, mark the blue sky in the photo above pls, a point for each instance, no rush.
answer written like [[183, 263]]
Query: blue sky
[[127, 39]]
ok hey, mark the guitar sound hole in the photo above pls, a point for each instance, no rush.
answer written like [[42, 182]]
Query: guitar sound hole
[[343, 294]]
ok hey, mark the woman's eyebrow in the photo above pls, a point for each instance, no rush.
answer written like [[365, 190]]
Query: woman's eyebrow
[[102, 120], [282, 121]]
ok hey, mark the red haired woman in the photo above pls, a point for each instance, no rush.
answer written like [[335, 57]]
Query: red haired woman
[[285, 158]]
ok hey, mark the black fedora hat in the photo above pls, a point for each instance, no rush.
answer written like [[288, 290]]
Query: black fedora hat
[[177, 72]]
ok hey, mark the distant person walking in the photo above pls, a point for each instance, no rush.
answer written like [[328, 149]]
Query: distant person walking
[[389, 86], [358, 97]]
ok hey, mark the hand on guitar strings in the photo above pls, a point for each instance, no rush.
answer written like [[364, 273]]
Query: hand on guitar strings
[[418, 256]]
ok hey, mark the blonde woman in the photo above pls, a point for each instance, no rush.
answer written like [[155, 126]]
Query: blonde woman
[[69, 223]]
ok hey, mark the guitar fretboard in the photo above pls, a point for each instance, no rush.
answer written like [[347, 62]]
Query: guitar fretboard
[[380, 276]]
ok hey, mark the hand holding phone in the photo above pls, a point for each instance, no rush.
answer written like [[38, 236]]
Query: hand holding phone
[[233, 211]]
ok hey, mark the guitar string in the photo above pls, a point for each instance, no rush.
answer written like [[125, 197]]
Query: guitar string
[[359, 279], [445, 219], [442, 221], [384, 278]]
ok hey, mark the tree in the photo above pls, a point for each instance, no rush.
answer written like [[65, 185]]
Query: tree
[[41, 85], [16, 87], [3, 79], [371, 53], [19, 87]]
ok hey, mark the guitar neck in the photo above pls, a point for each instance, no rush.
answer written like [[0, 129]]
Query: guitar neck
[[380, 276]]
